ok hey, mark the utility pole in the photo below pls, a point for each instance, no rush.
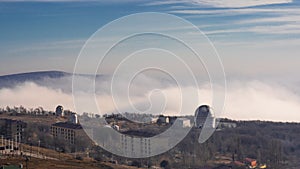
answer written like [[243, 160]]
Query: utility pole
[[12, 143], [16, 141], [2, 144], [19, 146], [16, 145], [8, 144], [26, 160], [39, 148], [2, 141], [30, 149]]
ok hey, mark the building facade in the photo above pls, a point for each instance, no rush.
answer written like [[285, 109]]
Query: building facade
[[68, 131], [12, 129], [135, 147]]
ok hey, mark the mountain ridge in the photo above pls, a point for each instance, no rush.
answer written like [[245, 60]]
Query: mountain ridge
[[14, 79], [43, 78], [51, 73]]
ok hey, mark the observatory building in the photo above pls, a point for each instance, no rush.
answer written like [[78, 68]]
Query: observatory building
[[204, 117], [73, 118], [59, 111]]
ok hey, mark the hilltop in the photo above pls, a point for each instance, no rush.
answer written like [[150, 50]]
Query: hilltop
[[15, 79]]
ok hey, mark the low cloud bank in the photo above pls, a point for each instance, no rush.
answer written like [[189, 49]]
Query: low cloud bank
[[253, 100]]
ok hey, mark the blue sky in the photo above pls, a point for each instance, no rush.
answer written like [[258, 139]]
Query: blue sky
[[257, 40], [48, 34]]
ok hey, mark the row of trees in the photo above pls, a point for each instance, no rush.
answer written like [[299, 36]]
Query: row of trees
[[39, 111], [22, 110], [274, 144]]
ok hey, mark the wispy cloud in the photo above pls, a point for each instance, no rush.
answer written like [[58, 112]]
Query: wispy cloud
[[43, 0], [222, 3], [49, 46], [105, 1], [232, 11], [279, 29], [286, 29], [239, 3], [267, 20], [284, 18], [166, 2]]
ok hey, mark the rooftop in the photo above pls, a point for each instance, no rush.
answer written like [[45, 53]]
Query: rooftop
[[68, 125]]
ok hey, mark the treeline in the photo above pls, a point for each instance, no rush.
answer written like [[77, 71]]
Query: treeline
[[274, 144], [21, 110]]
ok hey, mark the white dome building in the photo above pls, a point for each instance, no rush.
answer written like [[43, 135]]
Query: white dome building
[[204, 117]]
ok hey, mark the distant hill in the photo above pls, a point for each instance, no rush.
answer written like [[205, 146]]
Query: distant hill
[[14, 79], [34, 75], [55, 79]]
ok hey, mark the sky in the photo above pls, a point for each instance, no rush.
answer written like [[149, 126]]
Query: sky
[[50, 33], [257, 41]]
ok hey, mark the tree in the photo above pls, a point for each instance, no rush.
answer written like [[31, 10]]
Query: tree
[[165, 164]]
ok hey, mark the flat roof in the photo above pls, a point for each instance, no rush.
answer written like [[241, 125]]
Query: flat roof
[[12, 121], [68, 125]]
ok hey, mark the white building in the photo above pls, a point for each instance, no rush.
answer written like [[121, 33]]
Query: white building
[[74, 118], [137, 147], [204, 117], [184, 122]]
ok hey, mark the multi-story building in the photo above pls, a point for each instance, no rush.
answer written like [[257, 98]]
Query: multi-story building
[[68, 131], [136, 147], [12, 129]]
